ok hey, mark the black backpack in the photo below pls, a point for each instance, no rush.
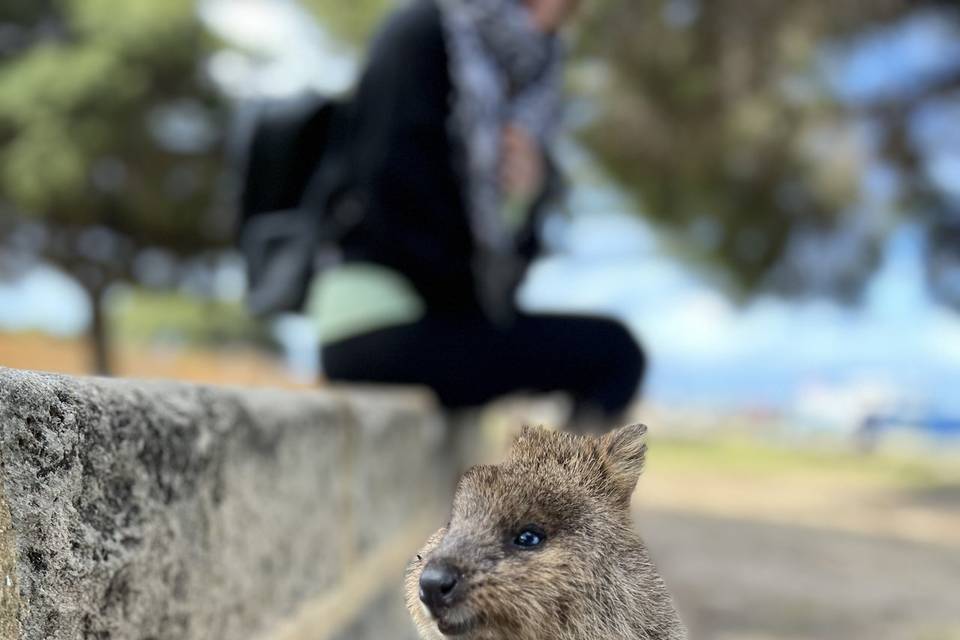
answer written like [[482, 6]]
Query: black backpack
[[286, 163]]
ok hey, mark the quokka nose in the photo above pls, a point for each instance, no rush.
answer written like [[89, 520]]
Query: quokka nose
[[438, 585]]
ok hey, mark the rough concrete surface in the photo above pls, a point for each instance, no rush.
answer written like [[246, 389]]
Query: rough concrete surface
[[9, 592], [156, 510]]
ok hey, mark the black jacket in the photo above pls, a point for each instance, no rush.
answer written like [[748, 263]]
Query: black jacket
[[404, 168]]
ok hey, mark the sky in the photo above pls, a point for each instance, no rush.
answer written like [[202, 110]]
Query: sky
[[813, 358]]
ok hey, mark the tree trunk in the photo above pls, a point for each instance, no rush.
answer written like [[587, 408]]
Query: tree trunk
[[99, 335]]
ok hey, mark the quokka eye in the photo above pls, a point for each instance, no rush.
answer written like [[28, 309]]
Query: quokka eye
[[529, 538]]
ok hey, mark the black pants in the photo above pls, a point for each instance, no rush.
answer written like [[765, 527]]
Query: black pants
[[468, 361]]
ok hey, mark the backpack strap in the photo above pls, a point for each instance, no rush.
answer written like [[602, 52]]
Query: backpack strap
[[284, 145]]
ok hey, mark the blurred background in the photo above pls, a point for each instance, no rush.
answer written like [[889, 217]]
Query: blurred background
[[768, 193]]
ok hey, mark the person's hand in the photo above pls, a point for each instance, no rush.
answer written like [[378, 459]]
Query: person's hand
[[522, 167], [550, 15]]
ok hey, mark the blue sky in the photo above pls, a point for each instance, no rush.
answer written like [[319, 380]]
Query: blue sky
[[704, 349]]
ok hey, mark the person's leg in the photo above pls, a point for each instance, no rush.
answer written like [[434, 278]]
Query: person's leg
[[595, 359], [468, 362], [456, 356]]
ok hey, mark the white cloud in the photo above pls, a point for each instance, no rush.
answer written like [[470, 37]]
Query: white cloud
[[941, 338], [699, 325]]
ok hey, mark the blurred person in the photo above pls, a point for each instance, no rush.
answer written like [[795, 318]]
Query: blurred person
[[444, 161]]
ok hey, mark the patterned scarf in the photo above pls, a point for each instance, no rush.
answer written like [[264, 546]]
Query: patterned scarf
[[504, 70]]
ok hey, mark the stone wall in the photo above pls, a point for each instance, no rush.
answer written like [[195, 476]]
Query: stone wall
[[153, 510]]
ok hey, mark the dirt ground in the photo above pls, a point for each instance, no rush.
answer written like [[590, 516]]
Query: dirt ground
[[810, 547], [746, 580], [238, 366]]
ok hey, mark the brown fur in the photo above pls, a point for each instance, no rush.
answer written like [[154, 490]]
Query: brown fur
[[592, 578]]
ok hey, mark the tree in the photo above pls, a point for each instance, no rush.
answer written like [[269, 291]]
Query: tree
[[721, 119], [109, 138]]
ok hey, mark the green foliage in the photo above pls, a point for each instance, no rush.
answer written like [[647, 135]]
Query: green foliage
[[716, 117], [81, 120]]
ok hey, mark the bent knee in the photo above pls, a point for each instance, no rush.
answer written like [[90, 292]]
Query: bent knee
[[626, 355]]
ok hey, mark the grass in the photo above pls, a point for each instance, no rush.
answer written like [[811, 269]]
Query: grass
[[742, 455], [733, 476], [143, 316]]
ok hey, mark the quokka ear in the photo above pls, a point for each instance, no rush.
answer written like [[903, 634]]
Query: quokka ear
[[624, 451]]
